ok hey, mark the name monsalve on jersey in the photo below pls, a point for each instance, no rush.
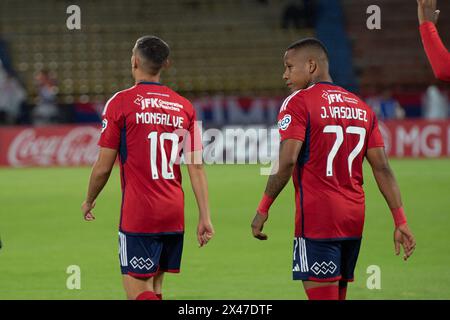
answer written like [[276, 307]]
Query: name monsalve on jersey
[[158, 118]]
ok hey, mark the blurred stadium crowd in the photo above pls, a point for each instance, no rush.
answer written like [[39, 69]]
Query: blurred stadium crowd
[[226, 56]]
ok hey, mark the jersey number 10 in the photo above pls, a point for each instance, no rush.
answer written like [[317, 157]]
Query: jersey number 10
[[338, 130], [166, 164]]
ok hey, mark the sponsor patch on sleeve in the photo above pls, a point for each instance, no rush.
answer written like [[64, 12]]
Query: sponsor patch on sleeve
[[284, 123], [104, 124]]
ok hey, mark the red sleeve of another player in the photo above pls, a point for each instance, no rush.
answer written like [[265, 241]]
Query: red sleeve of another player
[[292, 119], [375, 137], [437, 54], [194, 140], [112, 124]]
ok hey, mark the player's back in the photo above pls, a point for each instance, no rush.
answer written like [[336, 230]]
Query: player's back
[[338, 128], [340, 124], [150, 121]]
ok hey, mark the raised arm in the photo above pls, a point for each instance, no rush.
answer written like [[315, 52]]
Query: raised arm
[[288, 155], [99, 176], [388, 186], [197, 175], [437, 54]]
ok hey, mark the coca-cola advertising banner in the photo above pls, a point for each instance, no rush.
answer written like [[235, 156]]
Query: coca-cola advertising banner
[[48, 146], [77, 145]]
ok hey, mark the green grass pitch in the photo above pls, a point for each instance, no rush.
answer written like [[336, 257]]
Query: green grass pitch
[[43, 233]]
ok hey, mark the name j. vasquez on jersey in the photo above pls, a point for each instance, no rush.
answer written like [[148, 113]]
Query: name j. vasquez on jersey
[[343, 113]]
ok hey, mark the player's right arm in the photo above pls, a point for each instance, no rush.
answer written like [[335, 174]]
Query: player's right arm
[[388, 186], [292, 129], [288, 155], [437, 54], [99, 177], [112, 125]]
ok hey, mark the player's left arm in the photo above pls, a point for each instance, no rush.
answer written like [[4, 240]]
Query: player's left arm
[[99, 177], [388, 186], [288, 155], [199, 183]]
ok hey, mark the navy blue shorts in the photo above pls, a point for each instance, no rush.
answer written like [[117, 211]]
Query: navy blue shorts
[[142, 256], [325, 261]]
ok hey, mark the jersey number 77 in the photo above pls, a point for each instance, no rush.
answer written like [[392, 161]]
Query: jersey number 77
[[339, 131]]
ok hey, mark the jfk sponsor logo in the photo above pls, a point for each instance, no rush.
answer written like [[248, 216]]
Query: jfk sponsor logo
[[323, 268], [337, 97], [332, 97], [157, 103]]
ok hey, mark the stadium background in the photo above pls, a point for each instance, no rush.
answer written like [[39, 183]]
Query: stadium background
[[227, 58]]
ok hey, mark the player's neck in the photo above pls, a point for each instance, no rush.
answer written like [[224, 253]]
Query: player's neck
[[147, 78], [320, 78]]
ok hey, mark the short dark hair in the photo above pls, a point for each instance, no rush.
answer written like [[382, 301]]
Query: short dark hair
[[154, 51], [309, 43]]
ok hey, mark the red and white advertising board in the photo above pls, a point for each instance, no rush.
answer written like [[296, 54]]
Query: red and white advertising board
[[417, 138], [74, 145], [48, 146]]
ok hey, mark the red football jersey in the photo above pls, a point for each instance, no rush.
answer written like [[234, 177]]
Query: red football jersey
[[150, 125], [336, 128]]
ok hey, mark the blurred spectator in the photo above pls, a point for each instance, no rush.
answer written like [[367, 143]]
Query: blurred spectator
[[46, 109], [299, 14], [86, 110], [435, 104], [385, 106], [5, 58], [310, 13], [12, 98]]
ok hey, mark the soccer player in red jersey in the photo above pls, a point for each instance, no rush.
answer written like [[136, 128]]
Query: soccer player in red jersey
[[438, 55], [326, 132], [149, 126]]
